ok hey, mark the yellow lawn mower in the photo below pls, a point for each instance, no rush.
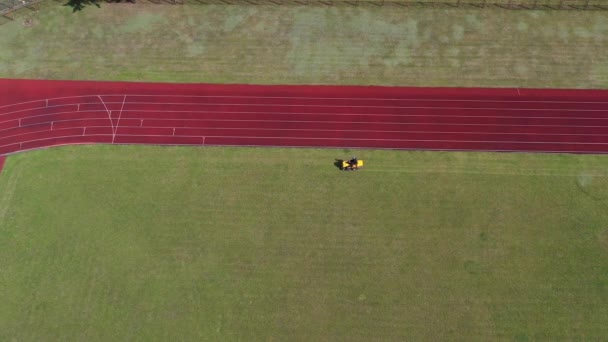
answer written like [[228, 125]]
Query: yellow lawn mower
[[351, 164]]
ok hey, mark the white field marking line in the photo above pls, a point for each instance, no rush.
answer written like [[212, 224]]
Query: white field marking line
[[60, 113], [322, 106], [364, 106], [306, 113], [325, 122], [366, 114], [373, 114], [140, 122], [47, 130], [58, 98], [382, 148], [309, 98], [319, 147], [518, 93], [109, 116], [119, 116], [313, 98], [332, 122], [308, 139], [376, 123], [368, 139], [311, 130], [37, 108], [59, 137], [377, 148], [49, 121], [325, 113], [20, 103], [365, 98], [313, 105], [251, 120], [368, 131]]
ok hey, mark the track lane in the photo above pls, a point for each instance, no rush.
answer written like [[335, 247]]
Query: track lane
[[372, 117]]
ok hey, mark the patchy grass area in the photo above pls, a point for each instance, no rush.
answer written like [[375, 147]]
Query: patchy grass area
[[310, 45], [153, 243]]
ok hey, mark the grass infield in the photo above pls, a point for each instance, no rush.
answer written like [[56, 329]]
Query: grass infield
[[161, 243]]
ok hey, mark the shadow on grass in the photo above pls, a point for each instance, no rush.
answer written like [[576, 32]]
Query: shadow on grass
[[79, 5], [338, 164]]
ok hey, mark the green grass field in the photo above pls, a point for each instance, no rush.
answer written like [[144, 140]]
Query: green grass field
[[162, 243], [310, 45]]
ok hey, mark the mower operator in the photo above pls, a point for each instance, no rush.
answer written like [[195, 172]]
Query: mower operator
[[353, 162]]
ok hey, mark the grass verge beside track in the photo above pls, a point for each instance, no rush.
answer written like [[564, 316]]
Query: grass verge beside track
[[159, 243], [310, 45]]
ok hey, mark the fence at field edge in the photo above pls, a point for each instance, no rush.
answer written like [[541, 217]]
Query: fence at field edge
[[9, 6], [507, 4]]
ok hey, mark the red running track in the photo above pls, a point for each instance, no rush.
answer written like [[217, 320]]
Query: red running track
[[36, 114]]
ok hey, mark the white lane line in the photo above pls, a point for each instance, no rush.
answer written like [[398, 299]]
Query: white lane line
[[109, 116], [373, 131], [133, 104], [375, 139], [511, 118], [38, 108], [336, 114], [438, 99], [253, 113], [366, 114], [119, 116], [373, 122], [363, 131], [328, 122], [441, 99], [369, 139], [37, 132], [475, 149], [518, 142], [62, 113]]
